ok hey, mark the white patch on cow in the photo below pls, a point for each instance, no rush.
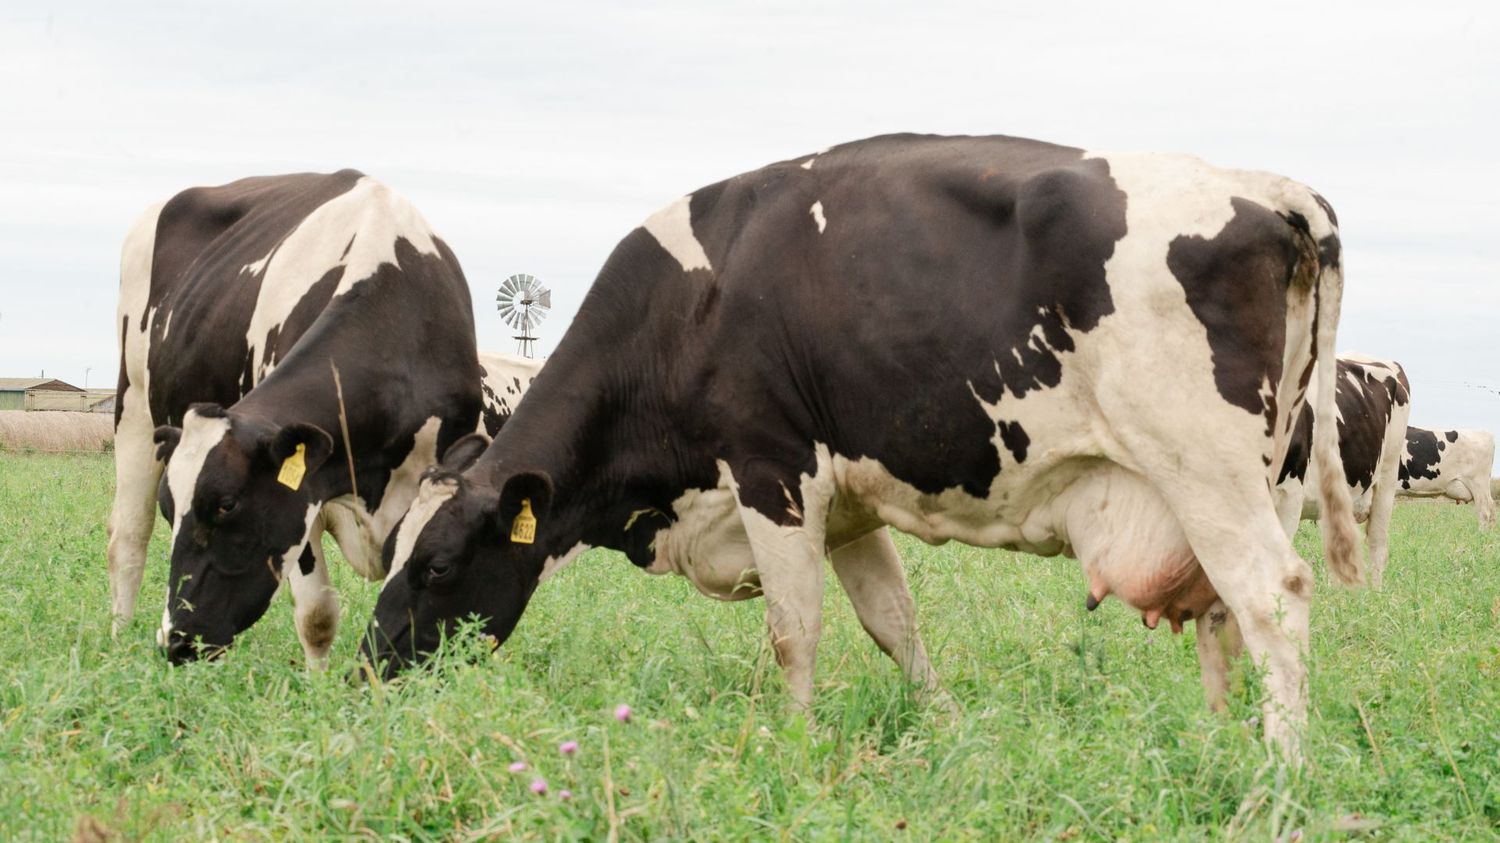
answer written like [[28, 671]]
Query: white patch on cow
[[360, 533], [199, 437], [369, 214], [808, 164], [707, 543], [672, 227], [315, 602], [431, 496], [817, 215], [164, 631], [293, 554], [553, 564], [257, 267]]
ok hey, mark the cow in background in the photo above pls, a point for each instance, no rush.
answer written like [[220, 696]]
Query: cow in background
[[1374, 402], [506, 377], [1455, 464]]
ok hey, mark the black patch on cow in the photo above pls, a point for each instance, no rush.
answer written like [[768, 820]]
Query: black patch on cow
[[1424, 451], [1299, 450], [1015, 439], [123, 384], [306, 562], [1330, 249], [1451, 436], [1327, 208], [1236, 285]]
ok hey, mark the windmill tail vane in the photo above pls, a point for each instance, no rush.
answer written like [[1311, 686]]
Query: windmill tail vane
[[523, 303]]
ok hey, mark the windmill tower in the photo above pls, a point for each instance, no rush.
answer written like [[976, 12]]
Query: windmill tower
[[523, 303]]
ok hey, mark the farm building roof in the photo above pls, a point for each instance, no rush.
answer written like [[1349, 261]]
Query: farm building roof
[[24, 384]]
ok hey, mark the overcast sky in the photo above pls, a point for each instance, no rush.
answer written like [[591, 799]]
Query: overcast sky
[[534, 136]]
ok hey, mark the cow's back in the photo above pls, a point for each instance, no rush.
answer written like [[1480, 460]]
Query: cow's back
[[240, 273], [975, 312]]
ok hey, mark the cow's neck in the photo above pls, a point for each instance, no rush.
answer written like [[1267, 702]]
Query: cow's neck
[[605, 428], [299, 395]]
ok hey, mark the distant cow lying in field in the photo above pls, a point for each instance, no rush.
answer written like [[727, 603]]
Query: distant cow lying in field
[[1374, 401], [264, 325], [989, 339], [1454, 464]]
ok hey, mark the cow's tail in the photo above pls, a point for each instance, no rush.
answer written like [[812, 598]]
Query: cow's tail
[[1341, 545]]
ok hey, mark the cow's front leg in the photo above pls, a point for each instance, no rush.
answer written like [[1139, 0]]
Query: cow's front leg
[[131, 516], [1219, 647], [315, 603], [870, 570], [786, 532]]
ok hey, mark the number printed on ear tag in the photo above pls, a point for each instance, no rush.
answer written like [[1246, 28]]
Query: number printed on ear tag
[[523, 529], [293, 469]]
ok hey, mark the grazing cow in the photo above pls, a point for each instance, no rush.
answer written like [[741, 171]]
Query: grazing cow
[[1374, 401], [989, 339], [294, 352], [506, 379], [1455, 464]]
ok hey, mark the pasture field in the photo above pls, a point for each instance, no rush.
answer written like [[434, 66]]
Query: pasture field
[[1071, 725]]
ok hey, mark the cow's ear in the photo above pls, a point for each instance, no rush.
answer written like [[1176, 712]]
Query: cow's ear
[[525, 503], [462, 454], [166, 438], [299, 449]]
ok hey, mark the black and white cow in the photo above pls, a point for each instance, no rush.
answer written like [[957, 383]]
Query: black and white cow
[[264, 325], [506, 377], [989, 339], [1374, 402], [1455, 464]]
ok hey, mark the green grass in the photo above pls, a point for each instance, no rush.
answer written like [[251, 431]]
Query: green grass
[[1073, 726]]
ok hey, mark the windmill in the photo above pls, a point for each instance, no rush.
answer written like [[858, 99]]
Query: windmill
[[523, 303]]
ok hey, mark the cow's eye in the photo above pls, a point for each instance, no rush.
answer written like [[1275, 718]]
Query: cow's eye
[[439, 571], [227, 506]]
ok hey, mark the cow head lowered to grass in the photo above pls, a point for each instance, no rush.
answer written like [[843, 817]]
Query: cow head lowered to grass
[[988, 339], [241, 500]]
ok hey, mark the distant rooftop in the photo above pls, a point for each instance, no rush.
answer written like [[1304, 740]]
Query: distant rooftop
[[23, 384]]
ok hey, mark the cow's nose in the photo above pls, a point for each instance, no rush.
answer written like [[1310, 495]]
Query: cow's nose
[[180, 650]]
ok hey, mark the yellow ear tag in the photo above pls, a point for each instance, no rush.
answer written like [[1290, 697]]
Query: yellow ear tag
[[523, 529], [293, 469]]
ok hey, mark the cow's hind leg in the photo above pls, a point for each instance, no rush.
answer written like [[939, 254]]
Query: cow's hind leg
[[870, 570], [1219, 647], [133, 512], [1383, 496], [315, 604], [1259, 577], [788, 547]]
